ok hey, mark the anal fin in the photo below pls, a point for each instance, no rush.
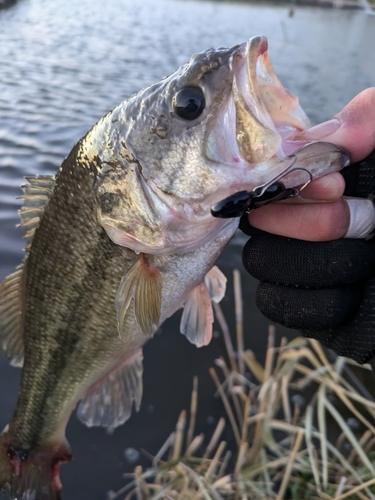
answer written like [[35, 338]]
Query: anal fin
[[11, 320], [109, 402], [143, 285]]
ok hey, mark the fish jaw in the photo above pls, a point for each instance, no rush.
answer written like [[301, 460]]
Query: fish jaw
[[256, 133], [261, 118]]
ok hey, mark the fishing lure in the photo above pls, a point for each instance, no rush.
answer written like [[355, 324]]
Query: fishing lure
[[245, 201]]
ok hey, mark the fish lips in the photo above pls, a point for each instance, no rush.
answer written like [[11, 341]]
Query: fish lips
[[261, 118]]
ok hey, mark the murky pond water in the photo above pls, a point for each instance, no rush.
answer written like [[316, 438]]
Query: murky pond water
[[63, 65]]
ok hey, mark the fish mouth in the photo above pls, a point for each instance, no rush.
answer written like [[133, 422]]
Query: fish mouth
[[268, 117], [257, 133], [261, 119]]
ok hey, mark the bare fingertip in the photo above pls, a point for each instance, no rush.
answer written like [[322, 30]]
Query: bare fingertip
[[327, 188]]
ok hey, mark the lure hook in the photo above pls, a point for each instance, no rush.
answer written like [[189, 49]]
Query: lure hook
[[273, 190]]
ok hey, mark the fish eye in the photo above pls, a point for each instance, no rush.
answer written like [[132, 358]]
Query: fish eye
[[189, 102]]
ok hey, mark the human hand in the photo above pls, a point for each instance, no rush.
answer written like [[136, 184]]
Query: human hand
[[320, 213], [327, 289]]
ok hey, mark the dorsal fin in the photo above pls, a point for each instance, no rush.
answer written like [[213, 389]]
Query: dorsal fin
[[142, 284], [109, 402], [36, 196], [11, 322]]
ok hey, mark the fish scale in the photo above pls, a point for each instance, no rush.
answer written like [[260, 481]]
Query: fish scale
[[97, 267], [124, 237]]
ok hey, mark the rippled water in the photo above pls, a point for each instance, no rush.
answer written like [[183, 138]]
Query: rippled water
[[65, 64]]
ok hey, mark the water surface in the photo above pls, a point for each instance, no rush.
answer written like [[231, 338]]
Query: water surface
[[63, 65]]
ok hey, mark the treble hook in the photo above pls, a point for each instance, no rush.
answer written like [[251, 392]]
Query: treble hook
[[273, 190]]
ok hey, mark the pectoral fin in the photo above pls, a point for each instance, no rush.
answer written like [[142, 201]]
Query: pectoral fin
[[109, 402], [197, 318], [143, 285]]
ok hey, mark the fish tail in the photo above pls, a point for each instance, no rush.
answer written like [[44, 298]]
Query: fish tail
[[27, 474]]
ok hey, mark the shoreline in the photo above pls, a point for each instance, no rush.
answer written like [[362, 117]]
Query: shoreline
[[328, 4], [338, 4]]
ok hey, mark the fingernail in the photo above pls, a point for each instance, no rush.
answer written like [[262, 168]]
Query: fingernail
[[320, 131]]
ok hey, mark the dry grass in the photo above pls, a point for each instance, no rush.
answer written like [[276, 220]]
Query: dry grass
[[283, 451]]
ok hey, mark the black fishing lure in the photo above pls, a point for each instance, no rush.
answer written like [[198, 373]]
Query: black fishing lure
[[245, 201]]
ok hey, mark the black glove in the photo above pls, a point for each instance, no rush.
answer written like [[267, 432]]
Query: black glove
[[326, 289]]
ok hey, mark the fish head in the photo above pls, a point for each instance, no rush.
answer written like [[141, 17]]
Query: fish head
[[221, 123]]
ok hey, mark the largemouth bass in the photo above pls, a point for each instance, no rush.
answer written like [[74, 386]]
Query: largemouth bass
[[123, 237]]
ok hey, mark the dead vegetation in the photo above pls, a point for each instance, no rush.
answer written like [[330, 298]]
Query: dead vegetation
[[284, 450]]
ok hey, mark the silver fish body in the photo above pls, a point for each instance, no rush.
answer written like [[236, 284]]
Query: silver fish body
[[123, 237]]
